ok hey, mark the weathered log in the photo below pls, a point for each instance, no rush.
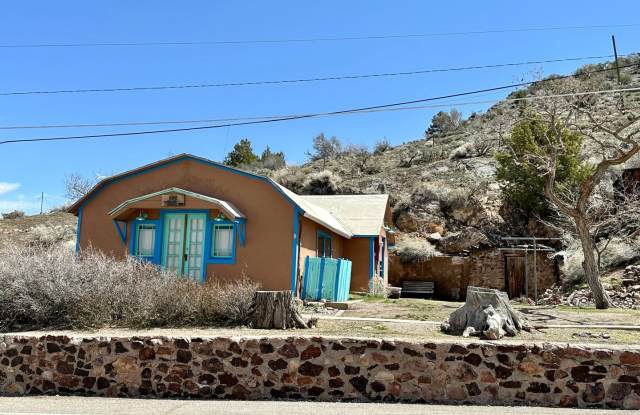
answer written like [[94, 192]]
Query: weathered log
[[486, 312], [275, 310]]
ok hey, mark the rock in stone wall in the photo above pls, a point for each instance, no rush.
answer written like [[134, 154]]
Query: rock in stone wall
[[321, 369]]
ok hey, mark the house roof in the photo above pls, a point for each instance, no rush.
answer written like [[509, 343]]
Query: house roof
[[317, 213], [363, 215], [346, 215], [227, 207]]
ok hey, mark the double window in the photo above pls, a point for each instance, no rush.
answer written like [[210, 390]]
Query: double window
[[222, 240], [145, 240], [323, 245]]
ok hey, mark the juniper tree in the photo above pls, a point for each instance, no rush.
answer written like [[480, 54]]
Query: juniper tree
[[610, 136], [242, 154]]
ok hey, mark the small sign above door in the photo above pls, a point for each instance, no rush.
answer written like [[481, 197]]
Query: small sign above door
[[172, 200]]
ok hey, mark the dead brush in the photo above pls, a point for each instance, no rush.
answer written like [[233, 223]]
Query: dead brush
[[54, 288]]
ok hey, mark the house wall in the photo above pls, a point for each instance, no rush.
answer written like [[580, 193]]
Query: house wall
[[453, 274], [357, 250], [266, 256]]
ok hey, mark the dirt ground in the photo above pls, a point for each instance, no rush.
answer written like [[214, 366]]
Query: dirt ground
[[418, 331], [433, 310], [18, 231], [427, 315]]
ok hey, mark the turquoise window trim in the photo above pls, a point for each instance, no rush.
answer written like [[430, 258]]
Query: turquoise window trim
[[325, 236], [78, 228], [155, 259], [241, 224], [383, 249], [372, 256], [210, 242], [295, 252]]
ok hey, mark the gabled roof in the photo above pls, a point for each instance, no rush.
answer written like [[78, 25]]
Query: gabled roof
[[363, 215], [346, 215], [227, 207], [317, 213]]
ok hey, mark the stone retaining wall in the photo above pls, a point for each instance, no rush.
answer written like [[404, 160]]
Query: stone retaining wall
[[321, 369]]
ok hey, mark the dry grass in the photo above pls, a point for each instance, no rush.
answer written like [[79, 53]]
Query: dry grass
[[53, 288]]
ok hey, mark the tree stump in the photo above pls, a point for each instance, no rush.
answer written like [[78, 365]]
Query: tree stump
[[487, 313], [275, 310]]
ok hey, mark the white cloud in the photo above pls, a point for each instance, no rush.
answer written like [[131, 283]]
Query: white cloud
[[8, 187]]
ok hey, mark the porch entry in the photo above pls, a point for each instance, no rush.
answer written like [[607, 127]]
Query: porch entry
[[183, 243]]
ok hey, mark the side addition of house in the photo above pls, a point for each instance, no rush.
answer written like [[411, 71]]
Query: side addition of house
[[204, 220]]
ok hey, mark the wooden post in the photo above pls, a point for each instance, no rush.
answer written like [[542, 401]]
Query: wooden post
[[275, 310], [535, 273], [526, 273]]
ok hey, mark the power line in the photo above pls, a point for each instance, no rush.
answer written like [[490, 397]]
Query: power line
[[314, 40], [304, 116], [303, 80], [266, 117]]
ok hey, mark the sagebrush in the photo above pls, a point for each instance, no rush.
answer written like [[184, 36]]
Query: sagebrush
[[54, 288]]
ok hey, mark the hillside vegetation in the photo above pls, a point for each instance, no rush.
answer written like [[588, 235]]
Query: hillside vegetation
[[445, 196], [443, 187]]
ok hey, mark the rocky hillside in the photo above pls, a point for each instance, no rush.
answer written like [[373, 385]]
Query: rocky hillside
[[38, 230], [444, 190]]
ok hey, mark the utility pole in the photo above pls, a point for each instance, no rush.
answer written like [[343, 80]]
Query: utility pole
[[615, 55], [41, 201]]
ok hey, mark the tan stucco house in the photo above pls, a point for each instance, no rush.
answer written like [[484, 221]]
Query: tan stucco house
[[205, 220]]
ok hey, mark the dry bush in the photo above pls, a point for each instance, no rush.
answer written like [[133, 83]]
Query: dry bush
[[292, 178], [448, 199], [382, 146], [13, 215], [464, 151], [53, 288], [377, 288], [48, 235], [412, 249], [324, 182]]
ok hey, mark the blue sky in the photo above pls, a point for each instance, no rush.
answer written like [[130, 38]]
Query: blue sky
[[28, 169]]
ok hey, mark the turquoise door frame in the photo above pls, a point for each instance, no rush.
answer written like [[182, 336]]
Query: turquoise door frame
[[180, 243]]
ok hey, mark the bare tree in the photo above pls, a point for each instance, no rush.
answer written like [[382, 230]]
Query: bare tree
[[362, 155], [612, 137], [76, 186], [325, 149]]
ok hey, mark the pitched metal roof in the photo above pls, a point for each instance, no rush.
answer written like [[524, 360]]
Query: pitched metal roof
[[363, 215], [317, 213]]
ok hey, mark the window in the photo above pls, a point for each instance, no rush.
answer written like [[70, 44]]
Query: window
[[323, 245], [222, 241], [145, 240]]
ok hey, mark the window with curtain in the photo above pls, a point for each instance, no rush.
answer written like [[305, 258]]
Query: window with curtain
[[145, 240], [222, 241]]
